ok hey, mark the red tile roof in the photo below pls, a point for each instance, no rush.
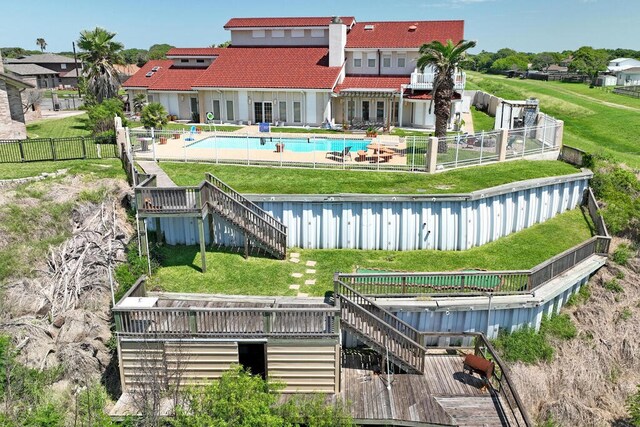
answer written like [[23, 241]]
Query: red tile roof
[[399, 34], [271, 67], [195, 51], [315, 21], [166, 78], [372, 82]]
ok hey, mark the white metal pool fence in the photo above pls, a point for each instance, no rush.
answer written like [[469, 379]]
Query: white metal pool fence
[[347, 151]]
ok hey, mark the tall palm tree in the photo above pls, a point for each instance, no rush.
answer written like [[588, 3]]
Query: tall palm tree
[[445, 59], [42, 43], [99, 53]]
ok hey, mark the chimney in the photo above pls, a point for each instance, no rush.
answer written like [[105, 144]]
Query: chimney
[[337, 42]]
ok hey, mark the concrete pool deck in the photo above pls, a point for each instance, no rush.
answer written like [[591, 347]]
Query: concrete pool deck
[[178, 149]]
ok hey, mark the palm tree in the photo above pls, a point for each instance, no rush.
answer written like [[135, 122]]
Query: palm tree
[[445, 59], [99, 53], [42, 43]]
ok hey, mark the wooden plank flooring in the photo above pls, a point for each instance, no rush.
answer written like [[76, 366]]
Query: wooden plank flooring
[[443, 395]]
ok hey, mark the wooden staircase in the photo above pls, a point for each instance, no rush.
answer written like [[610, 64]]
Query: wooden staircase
[[381, 330], [259, 226]]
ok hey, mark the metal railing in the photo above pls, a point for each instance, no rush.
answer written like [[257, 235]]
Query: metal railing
[[426, 80], [53, 149]]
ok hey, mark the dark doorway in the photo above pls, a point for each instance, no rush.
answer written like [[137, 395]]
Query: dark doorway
[[252, 356]]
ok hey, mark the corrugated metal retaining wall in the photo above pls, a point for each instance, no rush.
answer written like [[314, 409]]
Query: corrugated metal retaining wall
[[444, 222]]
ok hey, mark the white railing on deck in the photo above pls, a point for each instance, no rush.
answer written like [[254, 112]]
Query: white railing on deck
[[425, 81]]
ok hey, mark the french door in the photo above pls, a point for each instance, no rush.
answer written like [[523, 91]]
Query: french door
[[263, 112]]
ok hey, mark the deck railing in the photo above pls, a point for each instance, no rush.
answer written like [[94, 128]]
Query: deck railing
[[167, 200], [380, 328], [474, 282], [501, 383], [233, 322], [426, 80]]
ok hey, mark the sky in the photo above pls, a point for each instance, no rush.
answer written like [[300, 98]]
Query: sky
[[523, 25]]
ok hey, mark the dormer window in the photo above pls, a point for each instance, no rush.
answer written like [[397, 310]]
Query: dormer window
[[371, 59], [258, 34], [63, 66], [368, 27], [184, 61], [200, 61], [317, 33], [277, 33], [297, 33]]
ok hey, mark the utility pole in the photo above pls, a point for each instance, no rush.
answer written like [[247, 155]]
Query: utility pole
[[75, 59]]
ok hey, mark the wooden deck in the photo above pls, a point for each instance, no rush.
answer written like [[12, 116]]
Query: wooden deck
[[442, 396]]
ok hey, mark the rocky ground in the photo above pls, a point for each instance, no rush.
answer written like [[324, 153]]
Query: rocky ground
[[58, 308], [591, 375]]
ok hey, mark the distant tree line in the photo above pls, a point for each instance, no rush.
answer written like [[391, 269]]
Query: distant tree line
[[586, 60]]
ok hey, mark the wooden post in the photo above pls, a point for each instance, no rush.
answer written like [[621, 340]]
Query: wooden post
[[203, 246], [193, 325], [246, 245], [266, 322], [432, 155], [158, 231], [211, 232], [501, 144], [143, 237]]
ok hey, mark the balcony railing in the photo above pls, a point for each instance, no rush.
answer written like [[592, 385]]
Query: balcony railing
[[424, 81]]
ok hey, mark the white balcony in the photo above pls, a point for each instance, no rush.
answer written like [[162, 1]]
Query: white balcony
[[424, 81]]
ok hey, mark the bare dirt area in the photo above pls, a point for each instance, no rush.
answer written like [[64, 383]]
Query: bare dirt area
[[591, 375], [60, 238]]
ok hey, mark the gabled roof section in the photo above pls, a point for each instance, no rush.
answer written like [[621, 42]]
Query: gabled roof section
[[403, 34], [15, 82], [28, 69], [165, 78], [372, 83], [316, 21], [194, 51], [271, 67], [44, 58]]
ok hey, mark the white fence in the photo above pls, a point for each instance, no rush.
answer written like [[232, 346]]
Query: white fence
[[346, 151]]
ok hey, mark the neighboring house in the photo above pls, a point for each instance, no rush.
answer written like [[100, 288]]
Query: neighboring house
[[557, 68], [620, 64], [43, 77], [629, 77], [125, 71], [304, 71], [11, 113], [63, 66]]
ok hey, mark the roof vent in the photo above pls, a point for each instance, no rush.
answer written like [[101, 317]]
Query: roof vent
[[156, 68], [336, 20], [413, 28], [149, 74], [368, 27]]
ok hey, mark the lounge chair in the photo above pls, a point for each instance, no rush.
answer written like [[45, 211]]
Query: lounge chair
[[340, 154]]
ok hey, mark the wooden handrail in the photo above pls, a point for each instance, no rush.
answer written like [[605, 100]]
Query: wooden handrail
[[380, 327]]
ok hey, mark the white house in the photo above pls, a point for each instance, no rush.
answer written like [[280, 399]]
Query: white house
[[629, 77], [620, 64], [304, 71]]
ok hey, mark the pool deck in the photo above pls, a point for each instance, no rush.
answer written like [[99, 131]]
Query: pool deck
[[178, 149]]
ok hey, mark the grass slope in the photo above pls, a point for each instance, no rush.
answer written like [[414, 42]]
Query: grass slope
[[100, 168], [58, 128], [309, 181], [596, 120], [228, 272]]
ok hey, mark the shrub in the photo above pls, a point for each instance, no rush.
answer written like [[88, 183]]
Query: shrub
[[633, 406], [614, 286], [153, 116], [559, 326], [524, 345], [622, 254], [579, 297], [100, 116]]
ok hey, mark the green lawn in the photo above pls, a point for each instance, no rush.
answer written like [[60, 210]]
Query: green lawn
[[230, 273], [100, 168], [304, 130], [481, 120], [64, 93], [308, 181], [58, 128], [590, 124]]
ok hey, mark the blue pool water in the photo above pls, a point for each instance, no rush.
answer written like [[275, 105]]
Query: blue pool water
[[297, 145]]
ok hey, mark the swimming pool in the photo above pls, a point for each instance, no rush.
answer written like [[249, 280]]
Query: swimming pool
[[297, 145]]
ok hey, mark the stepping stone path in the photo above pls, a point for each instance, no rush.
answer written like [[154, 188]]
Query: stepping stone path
[[310, 282], [311, 264], [294, 257], [294, 260], [297, 275], [294, 287], [302, 295], [310, 271]]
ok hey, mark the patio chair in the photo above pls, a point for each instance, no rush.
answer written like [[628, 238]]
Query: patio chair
[[340, 154]]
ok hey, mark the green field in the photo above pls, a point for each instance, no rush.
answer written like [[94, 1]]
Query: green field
[[228, 272], [100, 168], [59, 128], [309, 181], [596, 120]]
